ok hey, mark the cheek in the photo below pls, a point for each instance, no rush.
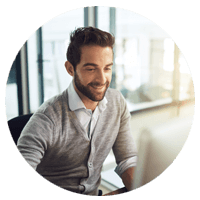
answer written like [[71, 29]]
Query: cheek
[[85, 78], [109, 77]]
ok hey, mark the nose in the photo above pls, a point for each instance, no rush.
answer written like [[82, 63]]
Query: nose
[[101, 77]]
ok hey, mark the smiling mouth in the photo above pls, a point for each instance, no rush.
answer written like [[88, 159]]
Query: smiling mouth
[[98, 87]]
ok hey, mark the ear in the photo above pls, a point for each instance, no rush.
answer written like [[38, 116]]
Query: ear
[[69, 67]]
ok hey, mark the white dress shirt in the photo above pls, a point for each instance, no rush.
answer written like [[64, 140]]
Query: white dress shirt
[[86, 117]]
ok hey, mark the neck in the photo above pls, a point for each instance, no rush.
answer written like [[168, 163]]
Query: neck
[[90, 106]]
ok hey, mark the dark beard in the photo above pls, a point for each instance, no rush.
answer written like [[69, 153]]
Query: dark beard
[[85, 90]]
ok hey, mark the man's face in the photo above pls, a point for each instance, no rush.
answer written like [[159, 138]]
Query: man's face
[[93, 74]]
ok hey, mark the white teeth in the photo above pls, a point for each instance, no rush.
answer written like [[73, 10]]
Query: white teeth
[[98, 87]]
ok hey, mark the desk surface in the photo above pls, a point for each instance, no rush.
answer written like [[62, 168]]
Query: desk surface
[[118, 191]]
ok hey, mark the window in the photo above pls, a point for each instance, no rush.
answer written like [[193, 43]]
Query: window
[[55, 42], [11, 94], [186, 83], [144, 60], [33, 73], [55, 39]]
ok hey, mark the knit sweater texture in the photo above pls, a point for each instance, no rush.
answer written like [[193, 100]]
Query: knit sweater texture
[[54, 142]]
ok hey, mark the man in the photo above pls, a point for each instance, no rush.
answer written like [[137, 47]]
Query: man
[[70, 136]]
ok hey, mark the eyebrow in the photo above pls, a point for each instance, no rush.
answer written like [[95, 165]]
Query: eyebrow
[[95, 65]]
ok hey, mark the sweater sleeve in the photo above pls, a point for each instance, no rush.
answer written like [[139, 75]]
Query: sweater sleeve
[[35, 139], [124, 147]]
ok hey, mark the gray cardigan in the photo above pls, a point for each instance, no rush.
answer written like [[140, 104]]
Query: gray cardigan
[[53, 142]]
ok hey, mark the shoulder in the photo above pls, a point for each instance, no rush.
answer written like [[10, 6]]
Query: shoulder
[[114, 95], [115, 98], [55, 106], [117, 104]]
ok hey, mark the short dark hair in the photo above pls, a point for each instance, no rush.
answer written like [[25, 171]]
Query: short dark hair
[[87, 36]]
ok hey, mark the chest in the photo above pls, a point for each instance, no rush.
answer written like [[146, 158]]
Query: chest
[[71, 140]]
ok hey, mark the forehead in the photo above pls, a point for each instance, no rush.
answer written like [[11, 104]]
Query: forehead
[[96, 53]]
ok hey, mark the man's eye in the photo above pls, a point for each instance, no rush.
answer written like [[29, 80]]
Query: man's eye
[[108, 69], [90, 69]]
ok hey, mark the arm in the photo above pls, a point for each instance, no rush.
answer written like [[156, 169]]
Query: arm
[[128, 178], [124, 149], [35, 139]]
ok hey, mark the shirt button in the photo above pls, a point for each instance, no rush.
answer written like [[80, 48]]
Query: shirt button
[[81, 188], [90, 164]]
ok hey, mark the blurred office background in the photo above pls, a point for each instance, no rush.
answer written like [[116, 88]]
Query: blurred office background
[[149, 70]]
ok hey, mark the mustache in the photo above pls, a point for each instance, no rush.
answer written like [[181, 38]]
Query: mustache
[[96, 84]]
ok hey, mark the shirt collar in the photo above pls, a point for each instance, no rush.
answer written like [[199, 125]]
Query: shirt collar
[[76, 103], [102, 104]]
